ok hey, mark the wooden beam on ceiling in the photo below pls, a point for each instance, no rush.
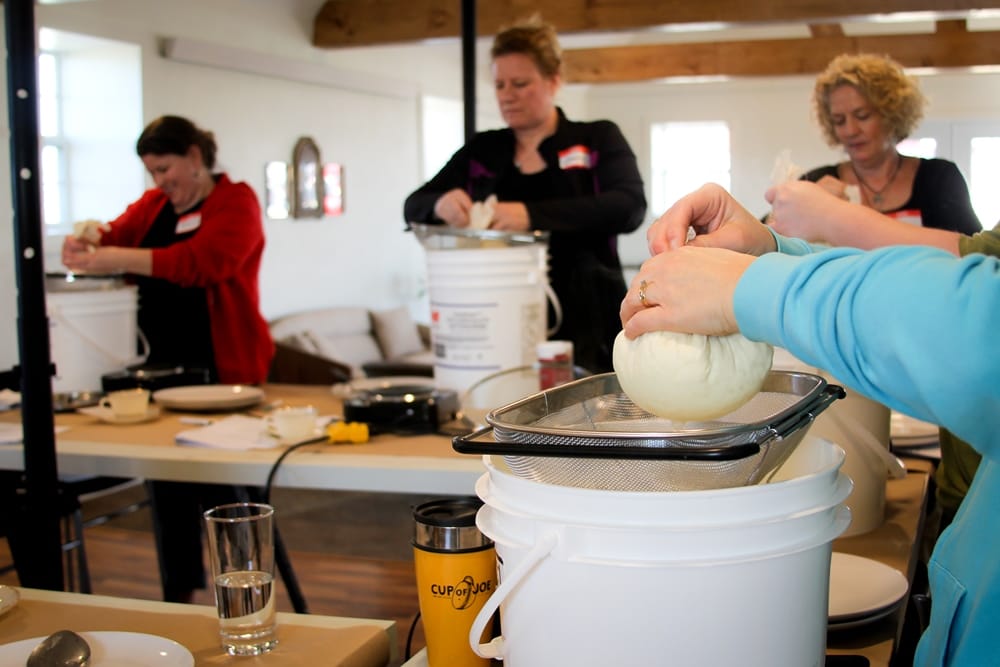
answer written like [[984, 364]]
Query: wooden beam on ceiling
[[949, 47], [342, 23]]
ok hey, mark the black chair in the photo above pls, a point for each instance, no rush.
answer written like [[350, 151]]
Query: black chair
[[74, 492]]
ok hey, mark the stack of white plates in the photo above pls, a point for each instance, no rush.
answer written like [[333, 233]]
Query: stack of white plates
[[906, 431], [862, 591]]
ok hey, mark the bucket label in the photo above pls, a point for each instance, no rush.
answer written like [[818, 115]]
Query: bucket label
[[476, 339]]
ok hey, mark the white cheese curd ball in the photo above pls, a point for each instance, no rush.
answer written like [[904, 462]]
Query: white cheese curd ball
[[690, 377]]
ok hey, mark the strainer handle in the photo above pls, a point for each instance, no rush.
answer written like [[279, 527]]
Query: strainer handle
[[808, 413], [470, 444]]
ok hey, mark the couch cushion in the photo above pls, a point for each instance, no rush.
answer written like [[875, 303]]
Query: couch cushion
[[396, 333], [326, 321]]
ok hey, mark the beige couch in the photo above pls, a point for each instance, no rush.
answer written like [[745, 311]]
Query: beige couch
[[346, 342]]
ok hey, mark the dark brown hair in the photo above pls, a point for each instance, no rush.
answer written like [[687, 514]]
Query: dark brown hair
[[533, 38], [174, 135]]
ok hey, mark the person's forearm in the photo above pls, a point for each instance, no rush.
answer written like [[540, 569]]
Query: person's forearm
[[138, 261], [869, 229]]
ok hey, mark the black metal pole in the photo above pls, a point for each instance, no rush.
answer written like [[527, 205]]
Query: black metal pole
[[36, 517], [469, 66]]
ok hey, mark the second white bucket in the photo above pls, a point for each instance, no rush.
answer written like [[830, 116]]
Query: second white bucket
[[610, 590], [91, 332], [488, 310]]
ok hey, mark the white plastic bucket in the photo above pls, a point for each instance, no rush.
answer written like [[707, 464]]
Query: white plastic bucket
[[728, 577], [861, 427], [91, 332], [488, 310]]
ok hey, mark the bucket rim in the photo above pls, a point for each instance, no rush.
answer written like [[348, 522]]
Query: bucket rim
[[424, 231]]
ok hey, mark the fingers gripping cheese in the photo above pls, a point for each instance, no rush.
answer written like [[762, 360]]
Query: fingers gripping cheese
[[690, 377]]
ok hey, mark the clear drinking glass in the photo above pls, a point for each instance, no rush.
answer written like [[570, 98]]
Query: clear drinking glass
[[241, 548]]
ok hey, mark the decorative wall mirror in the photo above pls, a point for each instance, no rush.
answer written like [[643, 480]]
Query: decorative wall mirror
[[307, 180]]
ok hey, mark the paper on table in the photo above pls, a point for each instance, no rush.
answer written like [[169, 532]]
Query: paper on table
[[233, 432], [10, 434], [239, 432]]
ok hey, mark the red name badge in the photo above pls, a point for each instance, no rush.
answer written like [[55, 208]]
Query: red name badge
[[574, 157]]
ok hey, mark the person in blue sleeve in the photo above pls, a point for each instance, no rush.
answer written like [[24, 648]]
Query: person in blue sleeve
[[863, 316]]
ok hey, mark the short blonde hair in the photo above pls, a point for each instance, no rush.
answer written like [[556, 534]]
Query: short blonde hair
[[895, 96], [534, 38]]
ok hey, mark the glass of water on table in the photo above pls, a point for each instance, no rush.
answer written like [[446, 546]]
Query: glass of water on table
[[241, 549]]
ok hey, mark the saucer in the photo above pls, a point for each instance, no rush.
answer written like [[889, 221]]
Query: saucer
[[862, 590], [106, 415]]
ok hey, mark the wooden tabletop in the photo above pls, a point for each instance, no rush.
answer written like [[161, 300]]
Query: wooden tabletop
[[392, 463], [303, 640]]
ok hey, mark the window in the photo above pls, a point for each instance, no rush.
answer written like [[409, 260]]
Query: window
[[685, 155], [975, 147], [90, 115], [984, 174], [53, 150]]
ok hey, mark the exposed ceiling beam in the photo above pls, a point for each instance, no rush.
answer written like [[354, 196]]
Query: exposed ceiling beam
[[949, 47], [342, 23]]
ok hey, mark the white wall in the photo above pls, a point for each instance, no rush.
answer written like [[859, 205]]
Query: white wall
[[363, 256]]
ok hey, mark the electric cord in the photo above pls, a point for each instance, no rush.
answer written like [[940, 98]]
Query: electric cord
[[409, 637], [274, 468]]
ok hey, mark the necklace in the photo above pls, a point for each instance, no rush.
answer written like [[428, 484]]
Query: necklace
[[877, 194]]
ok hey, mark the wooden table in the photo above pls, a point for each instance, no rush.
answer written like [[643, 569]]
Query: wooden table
[[303, 640], [393, 463]]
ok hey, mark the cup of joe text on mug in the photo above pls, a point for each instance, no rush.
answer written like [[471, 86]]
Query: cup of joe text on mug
[[241, 550], [127, 402], [456, 574]]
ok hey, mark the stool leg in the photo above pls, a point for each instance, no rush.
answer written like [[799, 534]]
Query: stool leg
[[81, 554], [68, 544]]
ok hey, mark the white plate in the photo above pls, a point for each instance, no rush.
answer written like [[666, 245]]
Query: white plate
[[863, 620], [106, 414], [907, 430], [862, 589], [209, 397], [113, 649]]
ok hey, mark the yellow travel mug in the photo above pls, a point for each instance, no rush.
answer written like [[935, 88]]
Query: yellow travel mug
[[456, 573]]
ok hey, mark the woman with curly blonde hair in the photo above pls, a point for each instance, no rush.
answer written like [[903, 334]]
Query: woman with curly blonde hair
[[867, 104]]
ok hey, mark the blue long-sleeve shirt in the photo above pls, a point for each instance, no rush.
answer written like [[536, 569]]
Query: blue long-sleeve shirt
[[913, 328]]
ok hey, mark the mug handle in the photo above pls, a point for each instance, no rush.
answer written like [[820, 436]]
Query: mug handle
[[494, 648], [104, 403]]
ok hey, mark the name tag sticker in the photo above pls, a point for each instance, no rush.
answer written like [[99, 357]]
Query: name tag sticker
[[574, 157], [188, 223], [911, 216]]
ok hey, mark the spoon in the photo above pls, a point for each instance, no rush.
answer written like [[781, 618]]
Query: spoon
[[64, 648]]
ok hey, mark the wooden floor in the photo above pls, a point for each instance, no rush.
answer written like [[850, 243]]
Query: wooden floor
[[123, 563]]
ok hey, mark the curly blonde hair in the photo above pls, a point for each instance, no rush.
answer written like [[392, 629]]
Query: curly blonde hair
[[880, 80], [534, 38]]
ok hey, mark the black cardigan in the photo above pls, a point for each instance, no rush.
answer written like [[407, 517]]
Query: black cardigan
[[590, 192]]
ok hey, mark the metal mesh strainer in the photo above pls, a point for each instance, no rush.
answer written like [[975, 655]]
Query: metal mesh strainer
[[589, 434]]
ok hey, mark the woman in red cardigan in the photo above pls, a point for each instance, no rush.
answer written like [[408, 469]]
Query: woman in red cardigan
[[192, 245]]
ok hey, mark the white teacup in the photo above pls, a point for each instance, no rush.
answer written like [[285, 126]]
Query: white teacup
[[127, 402], [294, 422]]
